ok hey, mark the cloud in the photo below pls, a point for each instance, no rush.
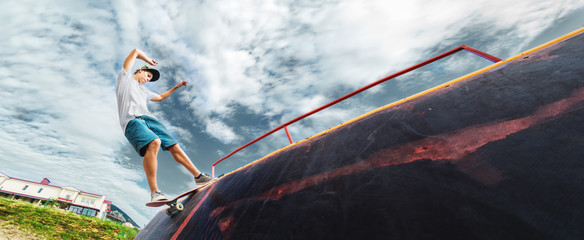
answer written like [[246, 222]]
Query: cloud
[[220, 131], [267, 56], [280, 59], [272, 60], [59, 111]]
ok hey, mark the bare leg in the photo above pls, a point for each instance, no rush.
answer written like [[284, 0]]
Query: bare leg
[[150, 164], [181, 157]]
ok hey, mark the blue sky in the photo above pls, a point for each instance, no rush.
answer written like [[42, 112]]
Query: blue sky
[[252, 65]]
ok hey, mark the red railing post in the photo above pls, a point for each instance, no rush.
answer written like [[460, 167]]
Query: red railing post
[[288, 134]]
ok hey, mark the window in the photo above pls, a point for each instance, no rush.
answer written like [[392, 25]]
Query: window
[[25, 187], [68, 197], [75, 209], [91, 212], [40, 190], [88, 212], [87, 201]]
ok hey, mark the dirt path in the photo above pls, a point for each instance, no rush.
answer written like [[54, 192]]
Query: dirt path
[[11, 232]]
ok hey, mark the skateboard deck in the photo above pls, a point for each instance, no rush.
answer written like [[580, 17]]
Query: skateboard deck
[[172, 203], [165, 202]]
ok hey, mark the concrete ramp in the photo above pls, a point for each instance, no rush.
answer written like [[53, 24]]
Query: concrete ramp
[[498, 155]]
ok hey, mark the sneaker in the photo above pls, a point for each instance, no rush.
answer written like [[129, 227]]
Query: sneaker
[[204, 179], [158, 196]]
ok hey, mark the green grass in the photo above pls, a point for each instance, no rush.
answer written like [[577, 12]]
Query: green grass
[[54, 224]]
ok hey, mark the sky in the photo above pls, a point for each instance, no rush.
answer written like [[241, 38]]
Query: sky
[[251, 65]]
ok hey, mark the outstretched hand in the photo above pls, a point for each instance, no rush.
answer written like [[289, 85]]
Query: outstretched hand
[[182, 84], [152, 62]]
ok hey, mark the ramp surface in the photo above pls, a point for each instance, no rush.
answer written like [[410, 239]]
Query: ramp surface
[[495, 156]]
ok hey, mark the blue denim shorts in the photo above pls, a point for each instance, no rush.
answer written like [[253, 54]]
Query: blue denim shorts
[[143, 130]]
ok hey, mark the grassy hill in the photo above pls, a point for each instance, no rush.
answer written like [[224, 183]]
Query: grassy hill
[[48, 223]]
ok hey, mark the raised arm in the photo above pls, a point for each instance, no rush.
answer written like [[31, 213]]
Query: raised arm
[[159, 98], [137, 54]]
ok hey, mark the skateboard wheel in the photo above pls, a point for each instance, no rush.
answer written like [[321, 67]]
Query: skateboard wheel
[[180, 206], [169, 212]]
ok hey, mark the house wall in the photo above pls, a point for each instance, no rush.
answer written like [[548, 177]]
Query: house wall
[[88, 200], [30, 189], [3, 178], [68, 195]]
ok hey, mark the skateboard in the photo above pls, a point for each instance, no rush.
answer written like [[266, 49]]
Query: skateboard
[[173, 204]]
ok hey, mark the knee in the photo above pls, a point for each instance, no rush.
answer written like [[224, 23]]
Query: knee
[[152, 147], [174, 148], [155, 144]]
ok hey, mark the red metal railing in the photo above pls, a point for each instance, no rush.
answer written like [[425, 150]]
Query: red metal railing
[[285, 125]]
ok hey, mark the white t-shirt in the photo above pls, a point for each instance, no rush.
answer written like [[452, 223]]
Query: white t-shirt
[[132, 98]]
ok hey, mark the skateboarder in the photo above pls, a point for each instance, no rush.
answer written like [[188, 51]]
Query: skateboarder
[[144, 132]]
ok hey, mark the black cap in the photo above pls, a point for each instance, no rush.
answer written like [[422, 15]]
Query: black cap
[[155, 73]]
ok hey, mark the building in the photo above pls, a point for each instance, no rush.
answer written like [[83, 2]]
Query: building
[[42, 193]]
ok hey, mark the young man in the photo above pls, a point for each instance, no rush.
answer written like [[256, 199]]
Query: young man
[[142, 129]]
